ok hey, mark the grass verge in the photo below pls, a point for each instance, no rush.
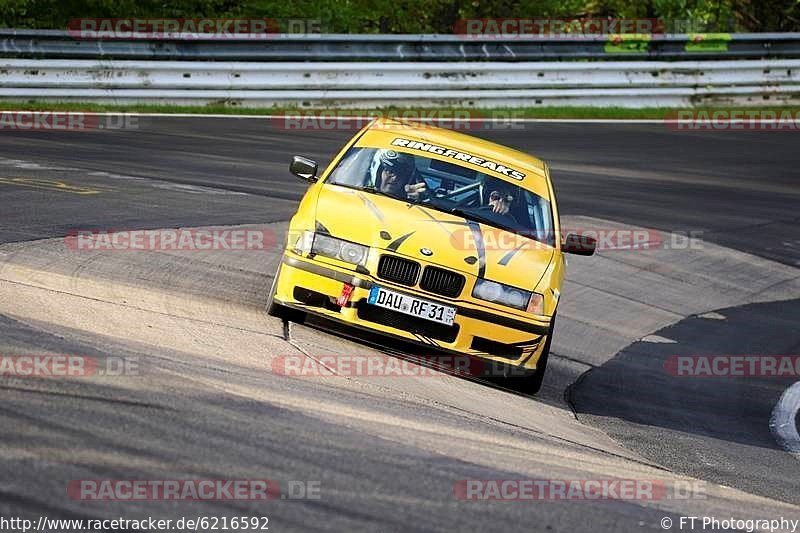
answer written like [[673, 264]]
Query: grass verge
[[609, 113]]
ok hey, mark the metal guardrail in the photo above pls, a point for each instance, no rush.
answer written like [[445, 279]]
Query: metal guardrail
[[167, 75], [624, 84], [630, 98], [361, 71], [55, 44]]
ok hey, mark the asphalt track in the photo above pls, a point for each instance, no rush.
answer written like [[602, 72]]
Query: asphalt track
[[387, 452]]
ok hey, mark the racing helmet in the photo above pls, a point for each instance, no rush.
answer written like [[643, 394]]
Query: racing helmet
[[400, 163]]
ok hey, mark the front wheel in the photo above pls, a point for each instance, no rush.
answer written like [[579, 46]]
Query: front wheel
[[531, 384], [281, 311]]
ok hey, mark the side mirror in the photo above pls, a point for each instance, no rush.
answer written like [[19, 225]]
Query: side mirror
[[579, 244], [304, 168]]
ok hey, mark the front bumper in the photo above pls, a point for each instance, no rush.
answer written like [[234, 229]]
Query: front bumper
[[313, 287]]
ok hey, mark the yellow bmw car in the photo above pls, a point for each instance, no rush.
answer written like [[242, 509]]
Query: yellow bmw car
[[434, 237]]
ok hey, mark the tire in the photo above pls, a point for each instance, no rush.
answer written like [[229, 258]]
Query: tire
[[532, 383], [277, 310]]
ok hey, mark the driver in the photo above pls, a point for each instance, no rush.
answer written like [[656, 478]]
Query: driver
[[393, 174]]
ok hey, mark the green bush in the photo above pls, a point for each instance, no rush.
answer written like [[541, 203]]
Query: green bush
[[410, 16]]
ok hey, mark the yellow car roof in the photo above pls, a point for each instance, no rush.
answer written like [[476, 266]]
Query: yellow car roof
[[385, 132]]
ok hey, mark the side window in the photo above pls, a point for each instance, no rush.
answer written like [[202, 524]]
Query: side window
[[540, 218], [353, 169]]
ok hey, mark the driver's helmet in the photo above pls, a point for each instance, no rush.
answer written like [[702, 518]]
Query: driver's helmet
[[402, 165]]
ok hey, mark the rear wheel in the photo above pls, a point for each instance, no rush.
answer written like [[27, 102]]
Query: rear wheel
[[281, 311]]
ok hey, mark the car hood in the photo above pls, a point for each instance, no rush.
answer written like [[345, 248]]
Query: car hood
[[426, 234]]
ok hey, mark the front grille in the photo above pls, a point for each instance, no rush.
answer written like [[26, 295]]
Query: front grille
[[387, 317], [443, 282], [399, 270]]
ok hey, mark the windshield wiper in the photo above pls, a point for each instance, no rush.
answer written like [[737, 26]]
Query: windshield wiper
[[371, 189]]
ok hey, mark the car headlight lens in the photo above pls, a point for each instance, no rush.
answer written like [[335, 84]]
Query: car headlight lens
[[327, 246], [334, 248], [492, 291], [488, 290], [516, 299], [353, 253]]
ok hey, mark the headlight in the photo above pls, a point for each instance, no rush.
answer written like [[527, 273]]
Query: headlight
[[334, 248], [303, 243], [491, 291]]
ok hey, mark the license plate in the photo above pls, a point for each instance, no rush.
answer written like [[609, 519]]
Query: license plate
[[409, 305]]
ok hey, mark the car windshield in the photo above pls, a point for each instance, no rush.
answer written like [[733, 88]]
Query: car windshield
[[447, 187]]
